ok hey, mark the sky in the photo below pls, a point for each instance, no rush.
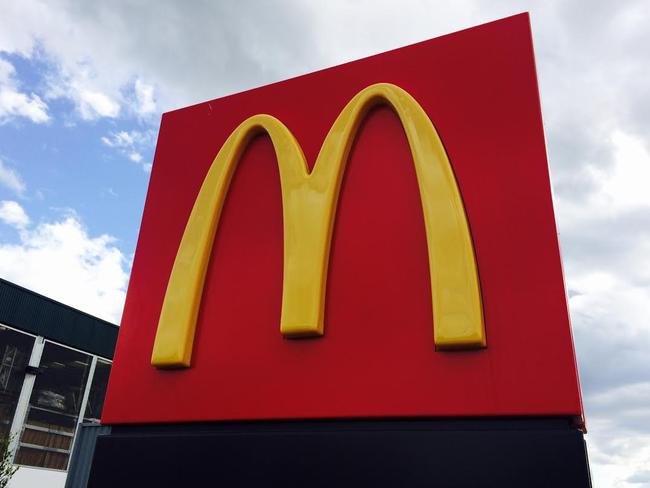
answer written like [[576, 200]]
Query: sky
[[83, 85]]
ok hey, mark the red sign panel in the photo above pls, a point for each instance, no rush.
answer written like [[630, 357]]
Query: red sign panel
[[377, 356]]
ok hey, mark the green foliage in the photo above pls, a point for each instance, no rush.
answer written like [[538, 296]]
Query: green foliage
[[7, 469]]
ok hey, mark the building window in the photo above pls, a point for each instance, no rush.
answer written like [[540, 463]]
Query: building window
[[15, 350], [97, 391], [54, 408]]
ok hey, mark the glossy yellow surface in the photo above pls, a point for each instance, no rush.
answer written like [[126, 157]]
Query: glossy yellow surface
[[309, 207]]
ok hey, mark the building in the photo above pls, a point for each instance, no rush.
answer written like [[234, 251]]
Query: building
[[54, 367]]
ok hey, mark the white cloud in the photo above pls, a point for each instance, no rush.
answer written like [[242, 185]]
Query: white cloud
[[7, 71], [61, 260], [627, 183], [91, 100], [121, 139], [14, 103], [136, 157], [123, 50], [130, 144], [11, 213], [94, 104], [11, 179], [144, 95]]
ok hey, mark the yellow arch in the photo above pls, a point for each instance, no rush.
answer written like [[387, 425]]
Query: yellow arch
[[309, 206]]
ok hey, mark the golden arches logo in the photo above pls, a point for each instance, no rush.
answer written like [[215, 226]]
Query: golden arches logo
[[309, 202]]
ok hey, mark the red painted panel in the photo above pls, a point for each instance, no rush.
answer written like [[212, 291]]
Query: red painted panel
[[377, 356]]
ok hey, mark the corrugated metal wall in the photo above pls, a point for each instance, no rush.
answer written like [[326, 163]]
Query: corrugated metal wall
[[82, 455]]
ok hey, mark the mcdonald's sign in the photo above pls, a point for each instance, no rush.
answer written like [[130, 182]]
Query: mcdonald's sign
[[372, 240]]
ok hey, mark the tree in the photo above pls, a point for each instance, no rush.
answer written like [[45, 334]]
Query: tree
[[7, 469]]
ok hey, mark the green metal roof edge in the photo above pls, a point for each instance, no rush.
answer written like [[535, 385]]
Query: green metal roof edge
[[32, 312]]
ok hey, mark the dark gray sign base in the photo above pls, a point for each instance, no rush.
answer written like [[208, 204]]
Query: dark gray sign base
[[396, 453]]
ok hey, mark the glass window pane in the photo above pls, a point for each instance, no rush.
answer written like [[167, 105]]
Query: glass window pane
[[54, 407], [15, 350], [97, 391]]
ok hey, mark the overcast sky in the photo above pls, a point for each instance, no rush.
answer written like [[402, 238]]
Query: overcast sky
[[83, 84]]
